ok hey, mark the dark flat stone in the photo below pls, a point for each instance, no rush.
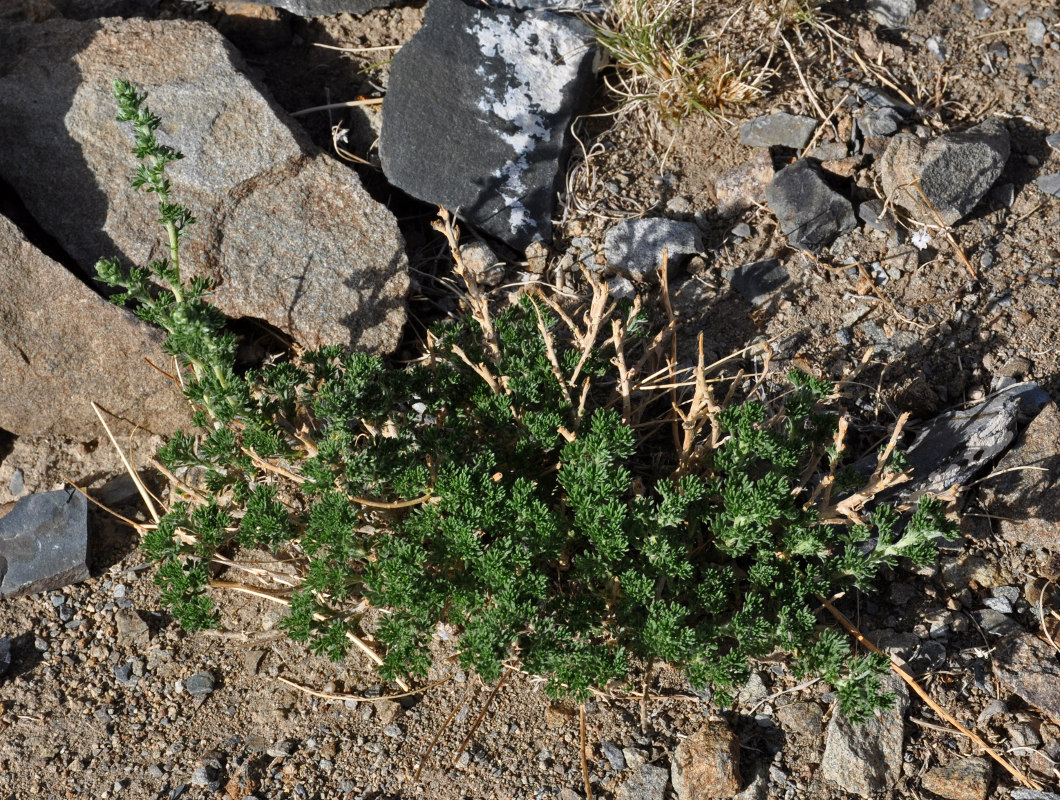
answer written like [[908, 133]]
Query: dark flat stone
[[811, 213], [43, 543]]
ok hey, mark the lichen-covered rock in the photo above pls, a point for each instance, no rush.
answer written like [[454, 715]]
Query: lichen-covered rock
[[477, 113]]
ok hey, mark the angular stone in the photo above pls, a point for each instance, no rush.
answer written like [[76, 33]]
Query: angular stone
[[1027, 666], [801, 719], [757, 281], [321, 8], [634, 247], [744, 186], [647, 783], [200, 684], [954, 446], [286, 234], [867, 757], [891, 13], [1050, 184], [783, 130], [811, 213], [706, 765], [43, 543], [954, 171], [1026, 500], [477, 113], [5, 655], [63, 346], [878, 121], [131, 627], [967, 779]]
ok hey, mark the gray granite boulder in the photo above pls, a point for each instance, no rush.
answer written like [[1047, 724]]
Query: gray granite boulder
[[866, 758], [286, 233], [63, 346], [954, 171], [477, 113]]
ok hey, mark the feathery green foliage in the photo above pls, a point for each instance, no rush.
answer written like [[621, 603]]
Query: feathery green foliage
[[501, 486]]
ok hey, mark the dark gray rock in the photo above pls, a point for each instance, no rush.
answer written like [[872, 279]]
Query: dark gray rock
[[634, 247], [867, 758], [1026, 502], [784, 130], [200, 684], [811, 213], [1028, 667], [1053, 140], [124, 674], [891, 13], [878, 121], [995, 623], [1050, 184], [873, 215], [614, 756], [955, 446], [647, 783], [477, 112], [1033, 794], [758, 280], [43, 543], [875, 97], [954, 171], [5, 655], [286, 233]]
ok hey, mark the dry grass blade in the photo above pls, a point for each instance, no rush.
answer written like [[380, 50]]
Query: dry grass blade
[[358, 697], [146, 495], [584, 760], [441, 729], [357, 641], [916, 687], [480, 717]]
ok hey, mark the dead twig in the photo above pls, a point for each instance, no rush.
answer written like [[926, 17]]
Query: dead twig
[[911, 681]]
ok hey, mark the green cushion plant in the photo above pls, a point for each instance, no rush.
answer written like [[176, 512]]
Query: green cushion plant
[[522, 483]]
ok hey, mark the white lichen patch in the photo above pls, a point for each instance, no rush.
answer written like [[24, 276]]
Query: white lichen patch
[[540, 60]]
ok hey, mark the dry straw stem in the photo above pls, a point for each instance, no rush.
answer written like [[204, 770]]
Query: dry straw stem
[[916, 687]]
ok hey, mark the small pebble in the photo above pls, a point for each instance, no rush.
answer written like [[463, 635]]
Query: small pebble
[[981, 9], [743, 230], [200, 684], [1035, 31]]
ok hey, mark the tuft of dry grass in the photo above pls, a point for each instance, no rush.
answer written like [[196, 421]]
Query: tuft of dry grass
[[659, 60]]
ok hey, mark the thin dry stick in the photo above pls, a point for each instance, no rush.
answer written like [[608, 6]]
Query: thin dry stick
[[441, 729], [802, 79], [584, 760], [911, 681], [550, 351], [370, 101], [110, 511], [480, 717], [946, 230], [357, 697], [128, 467], [358, 49], [623, 371]]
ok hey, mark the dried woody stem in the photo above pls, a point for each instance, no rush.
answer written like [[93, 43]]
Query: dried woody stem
[[911, 681]]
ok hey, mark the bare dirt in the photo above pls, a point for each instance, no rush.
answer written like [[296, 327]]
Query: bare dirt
[[95, 706]]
